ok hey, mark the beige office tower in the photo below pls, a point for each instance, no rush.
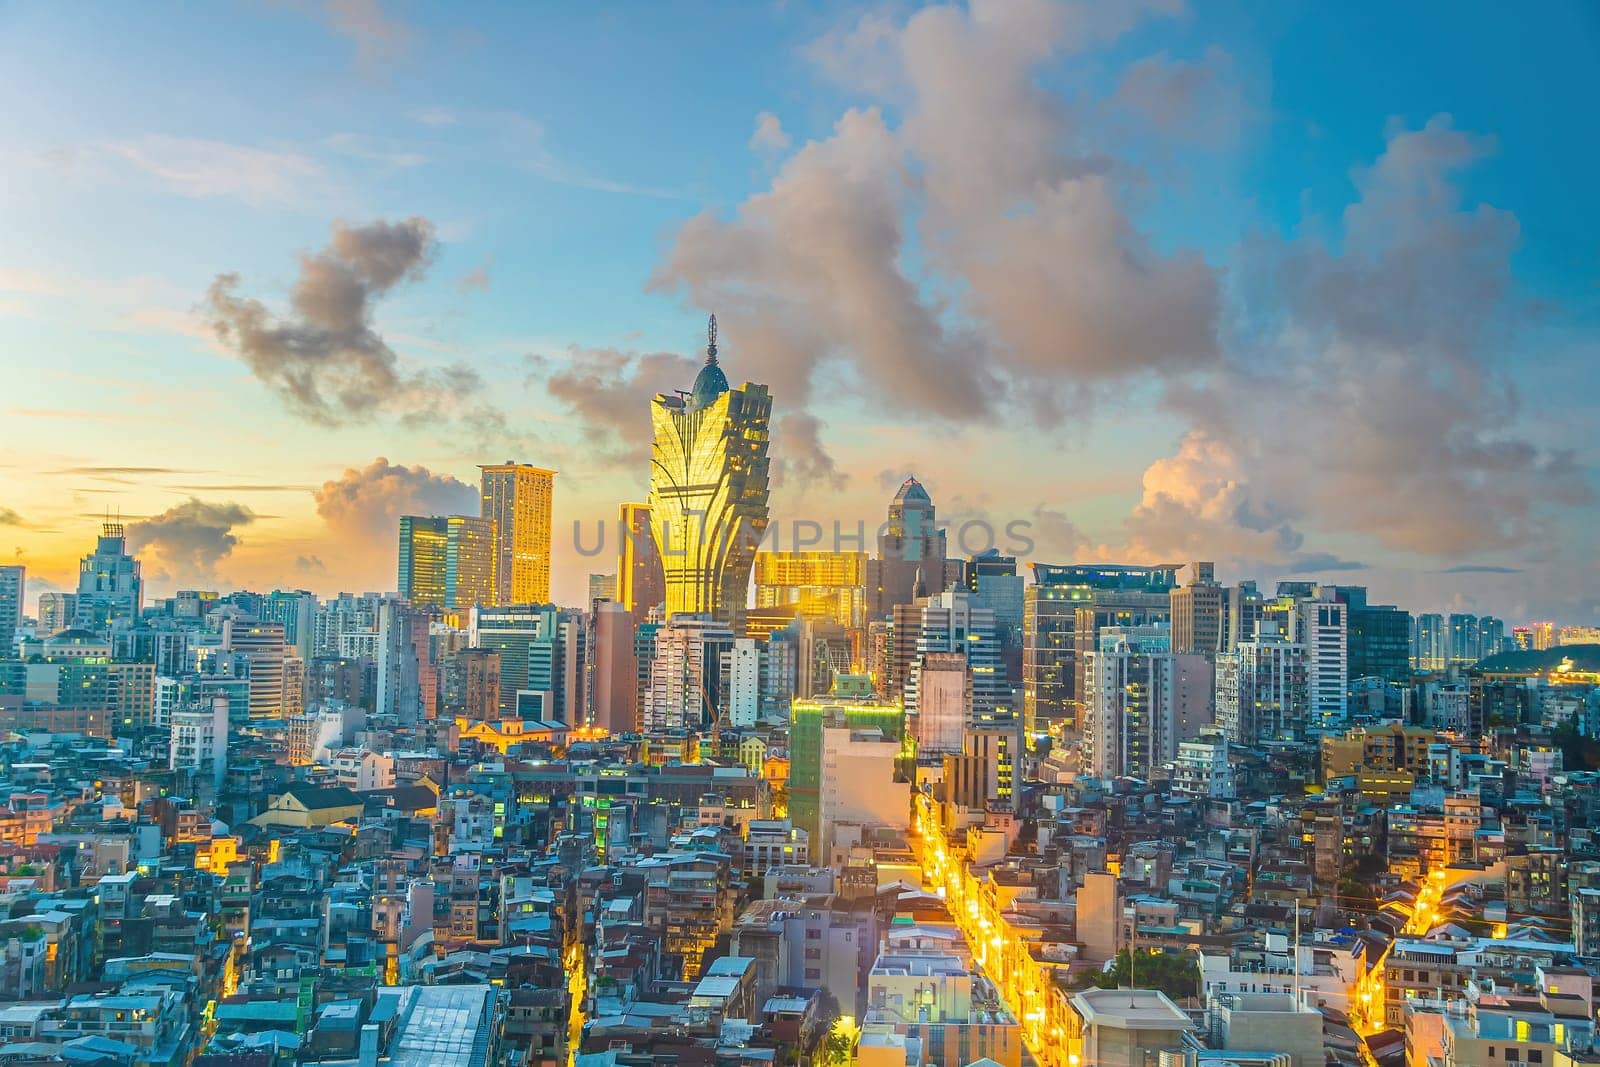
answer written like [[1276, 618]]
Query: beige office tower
[[708, 491], [517, 498]]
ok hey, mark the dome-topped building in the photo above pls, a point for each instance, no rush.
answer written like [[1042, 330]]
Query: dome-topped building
[[912, 492], [708, 490], [910, 544], [710, 383]]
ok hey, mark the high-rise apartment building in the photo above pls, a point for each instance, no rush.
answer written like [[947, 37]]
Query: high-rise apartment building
[[199, 742], [297, 611], [517, 499], [1199, 613], [1244, 604], [1544, 635], [1129, 702], [852, 701], [469, 684], [262, 646], [1063, 610], [1492, 636], [1049, 616], [110, 590], [56, 612], [708, 491], [686, 673], [1261, 689], [1462, 638], [1324, 631], [13, 591], [956, 621], [641, 584], [745, 663]]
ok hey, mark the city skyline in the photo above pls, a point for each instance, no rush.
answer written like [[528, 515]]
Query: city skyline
[[1305, 368]]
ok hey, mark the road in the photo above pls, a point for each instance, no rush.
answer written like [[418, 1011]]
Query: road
[[1049, 1027]]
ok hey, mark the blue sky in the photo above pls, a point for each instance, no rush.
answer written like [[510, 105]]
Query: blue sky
[[560, 152]]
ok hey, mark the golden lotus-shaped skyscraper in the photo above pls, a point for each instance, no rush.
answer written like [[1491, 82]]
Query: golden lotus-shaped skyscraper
[[708, 490]]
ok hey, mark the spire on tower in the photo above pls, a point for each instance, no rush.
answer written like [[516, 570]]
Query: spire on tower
[[711, 341]]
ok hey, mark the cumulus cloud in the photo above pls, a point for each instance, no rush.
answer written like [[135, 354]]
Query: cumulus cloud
[[609, 391], [1024, 277], [1373, 398], [799, 457], [811, 271], [1200, 501], [769, 136], [191, 538], [324, 357], [364, 504], [1186, 100], [310, 565]]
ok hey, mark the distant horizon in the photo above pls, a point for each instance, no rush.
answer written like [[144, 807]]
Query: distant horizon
[[162, 589]]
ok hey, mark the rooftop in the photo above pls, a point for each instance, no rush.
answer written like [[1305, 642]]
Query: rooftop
[[1130, 1009]]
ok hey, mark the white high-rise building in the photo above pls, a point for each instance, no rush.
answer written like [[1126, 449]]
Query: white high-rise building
[[944, 703], [1130, 702], [1261, 689], [1324, 630], [744, 681], [199, 741], [1202, 770], [684, 676]]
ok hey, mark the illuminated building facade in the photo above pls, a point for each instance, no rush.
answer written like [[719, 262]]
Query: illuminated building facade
[[447, 561], [1261, 689], [708, 491], [1129, 703], [817, 584], [517, 499], [640, 583]]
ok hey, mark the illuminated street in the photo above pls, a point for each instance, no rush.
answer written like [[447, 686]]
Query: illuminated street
[[577, 964], [1028, 987]]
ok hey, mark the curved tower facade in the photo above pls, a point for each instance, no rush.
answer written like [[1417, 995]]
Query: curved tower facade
[[708, 490]]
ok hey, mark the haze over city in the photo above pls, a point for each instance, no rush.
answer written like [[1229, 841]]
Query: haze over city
[[1161, 283]]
